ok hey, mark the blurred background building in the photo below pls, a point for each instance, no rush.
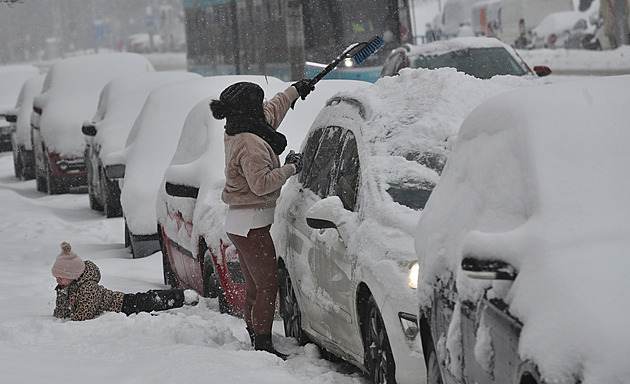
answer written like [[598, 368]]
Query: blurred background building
[[47, 29]]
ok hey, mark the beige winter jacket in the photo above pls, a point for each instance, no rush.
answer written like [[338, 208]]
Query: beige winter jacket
[[253, 175]]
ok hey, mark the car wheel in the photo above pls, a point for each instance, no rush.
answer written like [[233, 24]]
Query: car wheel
[[127, 235], [17, 165], [434, 376], [378, 352], [111, 197], [94, 203], [290, 309], [167, 269], [211, 281], [40, 181]]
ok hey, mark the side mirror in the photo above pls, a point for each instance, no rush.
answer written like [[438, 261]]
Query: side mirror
[[180, 190], [329, 213], [115, 171], [483, 269], [542, 70], [88, 129]]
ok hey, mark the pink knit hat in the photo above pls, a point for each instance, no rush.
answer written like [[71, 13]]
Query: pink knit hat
[[68, 265]]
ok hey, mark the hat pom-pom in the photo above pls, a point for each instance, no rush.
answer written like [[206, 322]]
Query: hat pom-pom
[[65, 247]]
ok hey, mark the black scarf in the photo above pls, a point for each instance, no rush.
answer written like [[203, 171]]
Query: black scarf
[[260, 128]]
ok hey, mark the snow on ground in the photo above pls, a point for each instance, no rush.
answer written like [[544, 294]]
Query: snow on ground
[[187, 345]]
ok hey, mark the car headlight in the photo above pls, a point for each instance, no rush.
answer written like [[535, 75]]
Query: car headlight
[[413, 275]]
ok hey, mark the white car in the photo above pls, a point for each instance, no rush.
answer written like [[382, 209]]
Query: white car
[[119, 104], [482, 57], [148, 152], [69, 97], [523, 246], [190, 213], [554, 30], [12, 77], [344, 225], [20, 116]]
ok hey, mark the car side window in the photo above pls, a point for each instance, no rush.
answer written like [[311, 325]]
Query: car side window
[[346, 179], [319, 165], [331, 165]]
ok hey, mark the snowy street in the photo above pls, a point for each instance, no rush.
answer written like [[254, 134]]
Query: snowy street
[[187, 345]]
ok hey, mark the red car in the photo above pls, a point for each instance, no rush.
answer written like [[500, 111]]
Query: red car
[[69, 97]]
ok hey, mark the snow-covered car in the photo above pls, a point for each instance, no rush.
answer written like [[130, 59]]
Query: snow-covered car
[[149, 148], [554, 29], [12, 78], [69, 97], [344, 226], [20, 118], [482, 57], [190, 213], [583, 35], [523, 245], [119, 104]]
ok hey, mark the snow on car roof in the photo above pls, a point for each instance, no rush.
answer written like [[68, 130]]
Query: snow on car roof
[[540, 179], [12, 78], [443, 46], [120, 103], [32, 87], [71, 91], [558, 21]]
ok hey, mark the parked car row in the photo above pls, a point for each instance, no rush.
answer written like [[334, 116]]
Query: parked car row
[[407, 246]]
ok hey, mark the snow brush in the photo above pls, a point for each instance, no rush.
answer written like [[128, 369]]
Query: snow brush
[[358, 52]]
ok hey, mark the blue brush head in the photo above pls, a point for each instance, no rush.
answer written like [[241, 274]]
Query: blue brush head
[[367, 50]]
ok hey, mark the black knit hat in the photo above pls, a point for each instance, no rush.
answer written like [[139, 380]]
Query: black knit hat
[[239, 99]]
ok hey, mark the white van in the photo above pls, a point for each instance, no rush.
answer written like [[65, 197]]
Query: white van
[[519, 17]]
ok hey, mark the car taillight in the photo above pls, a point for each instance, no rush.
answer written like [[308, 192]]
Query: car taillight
[[37, 110], [553, 38]]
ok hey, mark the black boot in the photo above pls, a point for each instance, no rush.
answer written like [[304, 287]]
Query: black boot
[[263, 343]]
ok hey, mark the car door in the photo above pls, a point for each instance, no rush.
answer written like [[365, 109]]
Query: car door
[[490, 341], [331, 169]]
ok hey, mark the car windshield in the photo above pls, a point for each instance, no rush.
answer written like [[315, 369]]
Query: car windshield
[[482, 63], [411, 193]]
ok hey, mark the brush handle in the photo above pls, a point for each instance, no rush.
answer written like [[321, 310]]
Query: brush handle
[[333, 64]]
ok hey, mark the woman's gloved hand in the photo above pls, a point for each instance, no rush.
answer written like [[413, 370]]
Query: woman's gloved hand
[[295, 159], [304, 87]]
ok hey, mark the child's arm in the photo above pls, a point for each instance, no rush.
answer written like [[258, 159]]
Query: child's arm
[[62, 305]]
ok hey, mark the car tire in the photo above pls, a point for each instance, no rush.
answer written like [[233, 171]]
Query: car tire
[[290, 309], [17, 165], [40, 181], [211, 282], [94, 203], [379, 359], [111, 197], [167, 269]]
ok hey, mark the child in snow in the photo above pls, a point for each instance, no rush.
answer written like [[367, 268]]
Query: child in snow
[[79, 297]]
